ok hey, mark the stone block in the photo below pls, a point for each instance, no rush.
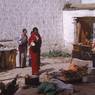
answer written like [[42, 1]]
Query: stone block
[[91, 71], [91, 78]]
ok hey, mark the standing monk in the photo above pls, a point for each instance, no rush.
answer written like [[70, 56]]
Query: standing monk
[[23, 48], [34, 50]]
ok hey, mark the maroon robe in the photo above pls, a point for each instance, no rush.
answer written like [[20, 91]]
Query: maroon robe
[[34, 52]]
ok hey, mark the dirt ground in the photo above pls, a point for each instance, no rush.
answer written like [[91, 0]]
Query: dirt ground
[[49, 64]]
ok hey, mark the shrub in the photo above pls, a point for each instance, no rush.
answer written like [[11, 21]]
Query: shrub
[[56, 53]]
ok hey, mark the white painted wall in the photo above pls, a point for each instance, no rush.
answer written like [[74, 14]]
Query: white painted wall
[[68, 24], [88, 1]]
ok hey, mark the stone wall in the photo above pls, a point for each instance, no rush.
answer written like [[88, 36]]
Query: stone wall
[[45, 14]]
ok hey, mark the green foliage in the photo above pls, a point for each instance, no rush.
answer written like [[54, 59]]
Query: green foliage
[[56, 53], [67, 5]]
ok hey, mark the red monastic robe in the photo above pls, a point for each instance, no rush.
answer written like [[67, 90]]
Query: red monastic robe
[[34, 52]]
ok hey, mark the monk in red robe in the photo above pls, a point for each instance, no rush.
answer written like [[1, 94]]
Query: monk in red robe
[[34, 50]]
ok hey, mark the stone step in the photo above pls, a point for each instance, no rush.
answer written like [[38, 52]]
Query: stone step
[[89, 78], [91, 71]]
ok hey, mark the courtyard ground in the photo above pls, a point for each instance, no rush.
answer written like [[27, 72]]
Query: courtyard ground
[[48, 64]]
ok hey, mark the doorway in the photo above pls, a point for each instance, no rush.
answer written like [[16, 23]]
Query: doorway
[[84, 34]]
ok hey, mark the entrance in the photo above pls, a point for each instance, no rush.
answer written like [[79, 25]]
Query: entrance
[[84, 36]]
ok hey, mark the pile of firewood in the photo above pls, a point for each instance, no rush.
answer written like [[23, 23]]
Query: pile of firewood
[[74, 73]]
